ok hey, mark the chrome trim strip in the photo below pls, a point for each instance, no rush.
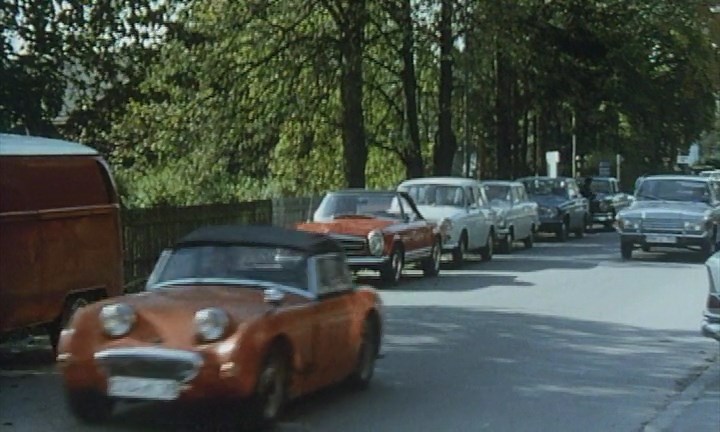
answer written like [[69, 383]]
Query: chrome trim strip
[[225, 281], [419, 253]]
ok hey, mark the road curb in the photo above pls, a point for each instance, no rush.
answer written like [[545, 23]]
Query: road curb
[[664, 420]]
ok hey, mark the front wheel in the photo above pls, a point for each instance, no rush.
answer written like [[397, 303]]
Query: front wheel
[[487, 251], [271, 391], [626, 250], [458, 254], [530, 239], [580, 232], [505, 245], [89, 406], [367, 354], [431, 265], [392, 271], [562, 232]]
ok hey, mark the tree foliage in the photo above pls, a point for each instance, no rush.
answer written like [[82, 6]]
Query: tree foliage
[[202, 101]]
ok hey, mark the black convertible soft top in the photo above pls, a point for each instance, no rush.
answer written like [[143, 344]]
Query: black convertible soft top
[[261, 235]]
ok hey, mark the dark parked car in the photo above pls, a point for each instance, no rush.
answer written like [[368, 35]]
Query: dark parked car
[[607, 200], [711, 321], [561, 206]]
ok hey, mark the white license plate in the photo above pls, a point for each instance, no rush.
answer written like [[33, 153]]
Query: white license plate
[[143, 388], [661, 239]]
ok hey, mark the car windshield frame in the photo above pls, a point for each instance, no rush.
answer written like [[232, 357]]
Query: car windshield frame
[[551, 187], [606, 186], [437, 194], [506, 195], [655, 190], [336, 205], [232, 264]]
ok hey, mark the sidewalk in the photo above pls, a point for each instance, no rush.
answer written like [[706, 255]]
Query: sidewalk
[[697, 409]]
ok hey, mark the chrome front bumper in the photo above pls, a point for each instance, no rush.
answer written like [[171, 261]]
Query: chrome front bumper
[[150, 362], [602, 217], [367, 261]]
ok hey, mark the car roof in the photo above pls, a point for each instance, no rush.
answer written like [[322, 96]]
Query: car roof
[[25, 145], [363, 191], [604, 178], [544, 178], [454, 181], [676, 177], [502, 182], [262, 236]]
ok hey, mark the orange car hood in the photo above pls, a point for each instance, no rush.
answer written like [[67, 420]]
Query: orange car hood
[[350, 226], [181, 302]]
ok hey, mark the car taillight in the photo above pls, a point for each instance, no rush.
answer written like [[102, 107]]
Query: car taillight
[[713, 302]]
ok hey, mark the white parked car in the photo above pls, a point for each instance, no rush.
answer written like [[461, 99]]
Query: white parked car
[[518, 217], [711, 322], [460, 206]]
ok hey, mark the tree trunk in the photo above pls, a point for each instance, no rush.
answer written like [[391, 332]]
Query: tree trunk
[[355, 150], [446, 145], [503, 106], [414, 166]]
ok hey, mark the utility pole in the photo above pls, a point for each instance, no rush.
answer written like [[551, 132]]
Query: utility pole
[[574, 147]]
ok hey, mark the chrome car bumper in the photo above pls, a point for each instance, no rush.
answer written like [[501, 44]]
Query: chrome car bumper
[[367, 261], [664, 239], [150, 362], [603, 217], [711, 326]]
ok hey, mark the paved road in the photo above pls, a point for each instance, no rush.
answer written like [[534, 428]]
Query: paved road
[[562, 337]]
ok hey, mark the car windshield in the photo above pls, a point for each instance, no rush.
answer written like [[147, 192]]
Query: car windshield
[[674, 190], [436, 195], [234, 263], [339, 205], [600, 186], [539, 186], [496, 192]]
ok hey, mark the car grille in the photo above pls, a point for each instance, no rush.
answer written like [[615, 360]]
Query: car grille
[[150, 362], [353, 245], [663, 225]]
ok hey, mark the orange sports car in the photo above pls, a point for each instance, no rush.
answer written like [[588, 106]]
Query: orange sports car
[[379, 230], [258, 315]]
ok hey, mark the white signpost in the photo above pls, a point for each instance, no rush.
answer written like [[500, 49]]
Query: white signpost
[[552, 158]]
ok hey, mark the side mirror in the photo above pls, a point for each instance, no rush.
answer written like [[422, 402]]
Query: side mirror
[[273, 296]]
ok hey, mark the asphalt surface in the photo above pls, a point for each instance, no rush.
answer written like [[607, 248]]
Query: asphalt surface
[[561, 337]]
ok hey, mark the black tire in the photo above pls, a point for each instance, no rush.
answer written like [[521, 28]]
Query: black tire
[[530, 239], [459, 253], [505, 245], [431, 265], [270, 396], [71, 306], [486, 253], [562, 232], [369, 348], [626, 250], [90, 407], [709, 247], [391, 272], [580, 232]]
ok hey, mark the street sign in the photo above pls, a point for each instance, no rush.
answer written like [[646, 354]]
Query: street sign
[[683, 159], [604, 168], [552, 158]]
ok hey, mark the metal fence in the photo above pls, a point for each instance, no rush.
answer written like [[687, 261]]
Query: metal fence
[[146, 232]]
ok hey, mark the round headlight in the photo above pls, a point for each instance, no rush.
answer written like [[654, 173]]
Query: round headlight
[[694, 226], [117, 319], [211, 324], [376, 243], [446, 225]]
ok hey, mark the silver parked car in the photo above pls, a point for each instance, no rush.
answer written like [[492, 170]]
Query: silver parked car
[[671, 211], [711, 321], [518, 217], [460, 207]]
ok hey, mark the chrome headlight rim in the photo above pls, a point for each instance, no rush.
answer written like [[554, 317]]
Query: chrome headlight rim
[[117, 319], [629, 224], [695, 226], [376, 242], [211, 324], [446, 225]]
